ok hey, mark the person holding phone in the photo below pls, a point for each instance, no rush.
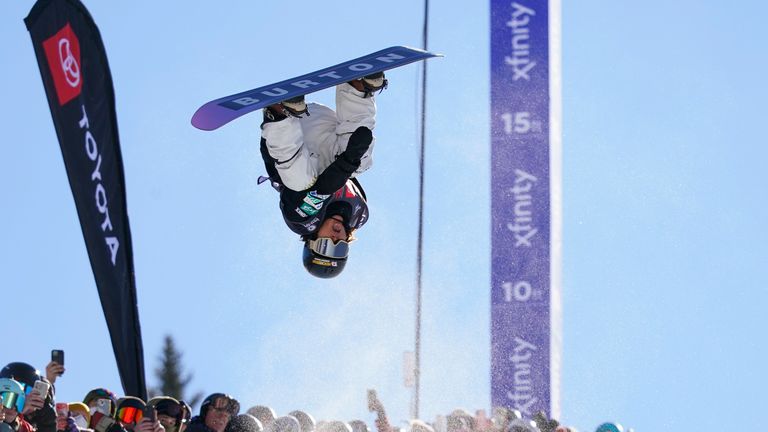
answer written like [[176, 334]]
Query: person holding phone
[[38, 409], [100, 400], [13, 405], [130, 410], [55, 368], [71, 417], [170, 412]]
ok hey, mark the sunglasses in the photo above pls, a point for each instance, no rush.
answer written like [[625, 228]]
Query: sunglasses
[[326, 247], [12, 400], [129, 414]]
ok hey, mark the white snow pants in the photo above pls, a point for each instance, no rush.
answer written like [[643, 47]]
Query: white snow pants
[[304, 147]]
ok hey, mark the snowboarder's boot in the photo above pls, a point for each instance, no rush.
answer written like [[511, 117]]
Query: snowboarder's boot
[[370, 84], [294, 107]]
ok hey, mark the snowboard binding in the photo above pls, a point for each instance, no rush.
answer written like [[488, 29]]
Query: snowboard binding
[[293, 107], [370, 84]]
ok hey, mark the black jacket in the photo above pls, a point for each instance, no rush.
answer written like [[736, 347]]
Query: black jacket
[[304, 211], [334, 191], [196, 424]]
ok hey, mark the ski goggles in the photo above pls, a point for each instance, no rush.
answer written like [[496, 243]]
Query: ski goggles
[[12, 400], [129, 415], [130, 410], [326, 247]]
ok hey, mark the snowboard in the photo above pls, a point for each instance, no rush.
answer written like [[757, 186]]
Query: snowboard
[[219, 112]]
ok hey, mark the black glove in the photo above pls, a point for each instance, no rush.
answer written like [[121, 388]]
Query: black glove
[[358, 144], [44, 419]]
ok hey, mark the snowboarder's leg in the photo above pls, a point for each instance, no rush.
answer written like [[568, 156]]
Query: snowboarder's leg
[[320, 135], [354, 109], [285, 143]]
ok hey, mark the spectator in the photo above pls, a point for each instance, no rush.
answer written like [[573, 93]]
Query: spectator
[[375, 405], [80, 414], [545, 424], [357, 426], [420, 426], [170, 412], [334, 426], [23, 409], [54, 370], [130, 411], [265, 414], [460, 420], [502, 417], [306, 421], [67, 424], [610, 427], [244, 423], [482, 422], [521, 425], [187, 416], [215, 412], [14, 404], [284, 424], [38, 411], [102, 400]]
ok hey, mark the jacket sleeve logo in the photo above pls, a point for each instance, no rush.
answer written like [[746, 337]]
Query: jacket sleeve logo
[[312, 203], [62, 51]]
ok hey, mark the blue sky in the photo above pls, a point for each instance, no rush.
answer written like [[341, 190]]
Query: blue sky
[[665, 268]]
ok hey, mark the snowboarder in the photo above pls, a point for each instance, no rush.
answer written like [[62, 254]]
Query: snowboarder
[[313, 155]]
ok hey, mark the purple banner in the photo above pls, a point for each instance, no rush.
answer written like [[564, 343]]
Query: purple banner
[[520, 206]]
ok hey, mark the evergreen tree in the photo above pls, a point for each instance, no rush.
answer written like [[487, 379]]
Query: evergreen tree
[[173, 381]]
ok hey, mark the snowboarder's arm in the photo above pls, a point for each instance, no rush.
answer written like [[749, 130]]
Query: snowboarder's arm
[[337, 173]]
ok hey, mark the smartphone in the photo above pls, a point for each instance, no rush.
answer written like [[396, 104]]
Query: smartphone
[[58, 357], [150, 413], [41, 388], [62, 409], [104, 406]]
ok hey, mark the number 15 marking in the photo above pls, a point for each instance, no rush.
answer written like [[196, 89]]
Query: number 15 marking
[[519, 122]]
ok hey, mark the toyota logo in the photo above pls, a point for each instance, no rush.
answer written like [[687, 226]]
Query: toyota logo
[[68, 63]]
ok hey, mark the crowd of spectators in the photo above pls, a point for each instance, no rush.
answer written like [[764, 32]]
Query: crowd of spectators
[[29, 405]]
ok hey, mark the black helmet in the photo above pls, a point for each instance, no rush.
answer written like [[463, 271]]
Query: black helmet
[[187, 412], [168, 406], [233, 406], [22, 372], [323, 258], [130, 410]]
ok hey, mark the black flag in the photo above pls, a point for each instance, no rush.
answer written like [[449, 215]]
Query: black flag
[[75, 72]]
